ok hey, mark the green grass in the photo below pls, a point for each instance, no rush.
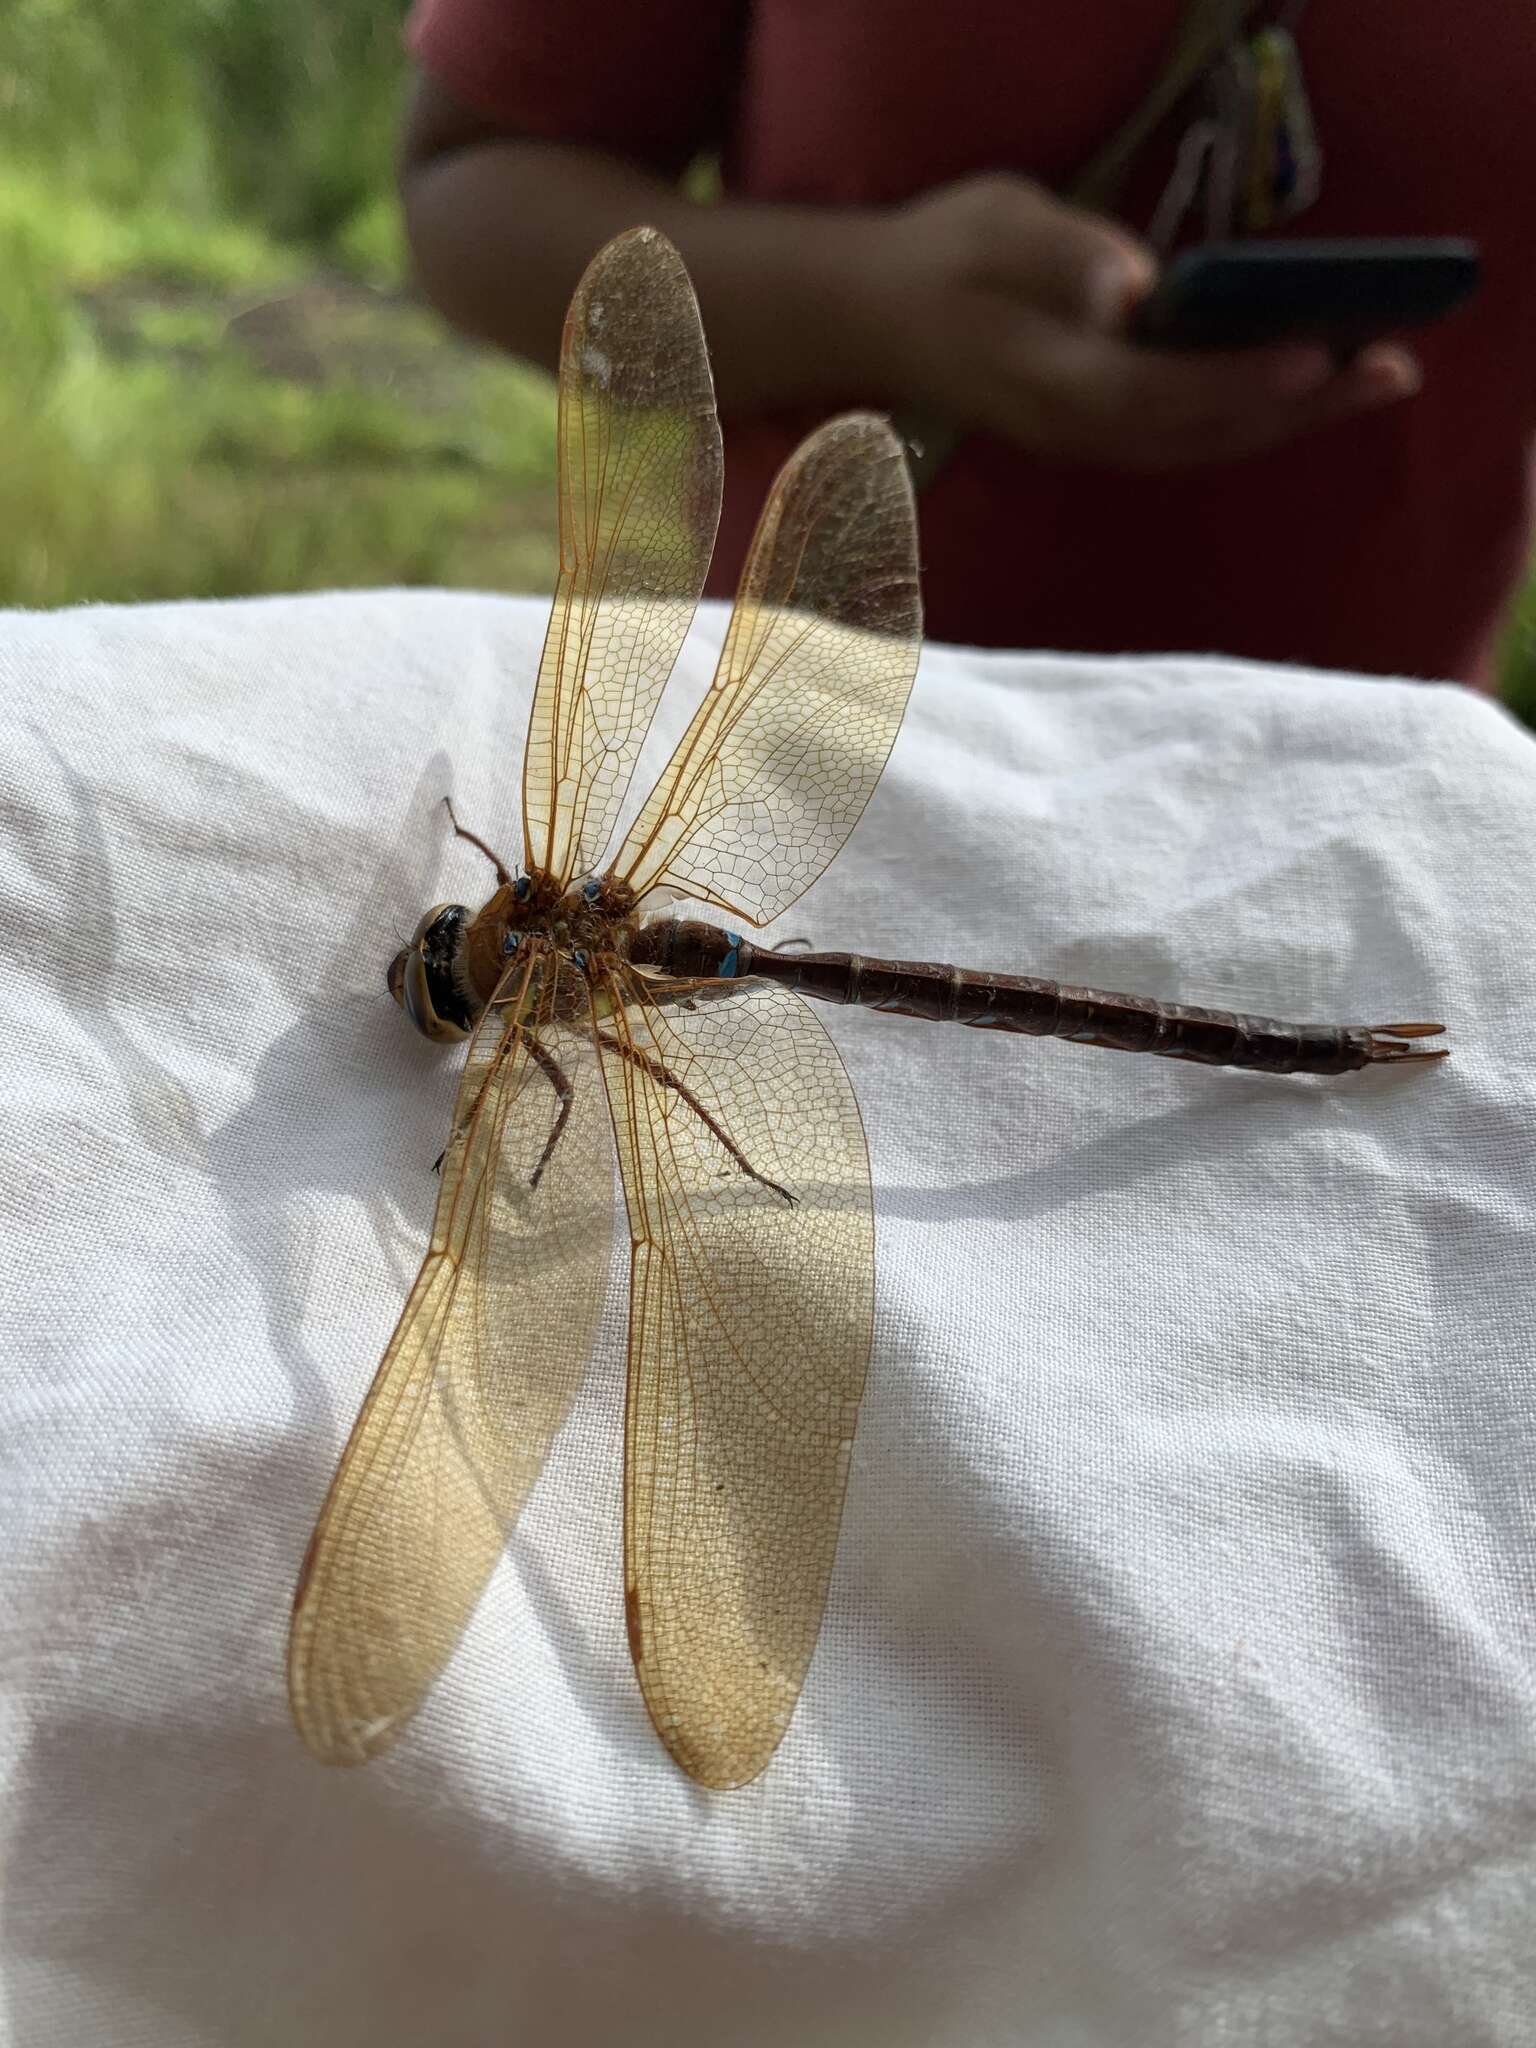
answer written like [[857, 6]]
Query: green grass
[[211, 382], [308, 436], [210, 379], [1517, 664]]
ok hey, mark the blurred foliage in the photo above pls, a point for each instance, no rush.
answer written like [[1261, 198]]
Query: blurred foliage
[[281, 116], [211, 379], [1517, 664]]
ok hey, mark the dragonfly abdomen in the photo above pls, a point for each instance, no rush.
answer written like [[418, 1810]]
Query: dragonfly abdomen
[[1087, 1016]]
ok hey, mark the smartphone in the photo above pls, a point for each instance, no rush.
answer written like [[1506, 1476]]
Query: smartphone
[[1345, 293]]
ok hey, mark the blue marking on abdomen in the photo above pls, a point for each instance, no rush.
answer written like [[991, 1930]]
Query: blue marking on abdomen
[[727, 966]]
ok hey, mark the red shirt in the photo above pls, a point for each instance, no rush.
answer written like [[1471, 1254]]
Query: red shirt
[[1390, 543]]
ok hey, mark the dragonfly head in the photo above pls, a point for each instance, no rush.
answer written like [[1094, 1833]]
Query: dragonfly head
[[424, 978]]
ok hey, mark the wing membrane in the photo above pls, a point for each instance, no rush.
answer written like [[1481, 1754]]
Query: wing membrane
[[639, 468], [749, 1336], [785, 750], [483, 1365]]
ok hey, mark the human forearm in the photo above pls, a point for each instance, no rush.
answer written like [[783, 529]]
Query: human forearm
[[989, 303], [500, 231]]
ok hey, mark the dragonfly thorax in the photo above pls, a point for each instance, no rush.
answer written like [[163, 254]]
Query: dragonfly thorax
[[451, 969]]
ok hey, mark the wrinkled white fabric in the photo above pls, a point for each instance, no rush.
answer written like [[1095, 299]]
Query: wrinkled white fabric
[[1177, 1679]]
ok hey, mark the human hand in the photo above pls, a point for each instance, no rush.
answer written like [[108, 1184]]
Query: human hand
[[999, 307]]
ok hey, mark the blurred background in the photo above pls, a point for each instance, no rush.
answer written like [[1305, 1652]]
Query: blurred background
[[214, 380]]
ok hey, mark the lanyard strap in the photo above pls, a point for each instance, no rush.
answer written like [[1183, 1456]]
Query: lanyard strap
[[1206, 29]]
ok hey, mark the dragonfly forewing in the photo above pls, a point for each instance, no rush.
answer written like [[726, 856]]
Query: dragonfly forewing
[[484, 1363], [639, 483]]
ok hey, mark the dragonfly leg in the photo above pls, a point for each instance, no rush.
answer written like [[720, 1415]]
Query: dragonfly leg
[[668, 1079], [474, 839], [559, 1080]]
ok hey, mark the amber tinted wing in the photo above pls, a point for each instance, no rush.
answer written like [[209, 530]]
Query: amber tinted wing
[[785, 750], [483, 1364], [749, 1335], [639, 480]]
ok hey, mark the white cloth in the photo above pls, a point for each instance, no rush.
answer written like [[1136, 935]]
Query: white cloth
[[1176, 1683]]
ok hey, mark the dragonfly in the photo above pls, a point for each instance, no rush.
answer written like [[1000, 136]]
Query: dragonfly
[[601, 1022]]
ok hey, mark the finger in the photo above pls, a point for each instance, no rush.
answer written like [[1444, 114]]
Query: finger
[[1195, 385], [1198, 387], [1193, 407], [1379, 376], [1100, 398], [1091, 398], [1375, 379], [1381, 373], [1057, 259]]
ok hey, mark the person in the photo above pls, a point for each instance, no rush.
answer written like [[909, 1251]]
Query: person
[[889, 232]]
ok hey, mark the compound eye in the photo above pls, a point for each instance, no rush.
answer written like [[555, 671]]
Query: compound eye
[[422, 991], [423, 981], [438, 910]]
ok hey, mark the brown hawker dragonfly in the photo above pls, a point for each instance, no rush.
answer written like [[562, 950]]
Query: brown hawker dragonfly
[[592, 1021]]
